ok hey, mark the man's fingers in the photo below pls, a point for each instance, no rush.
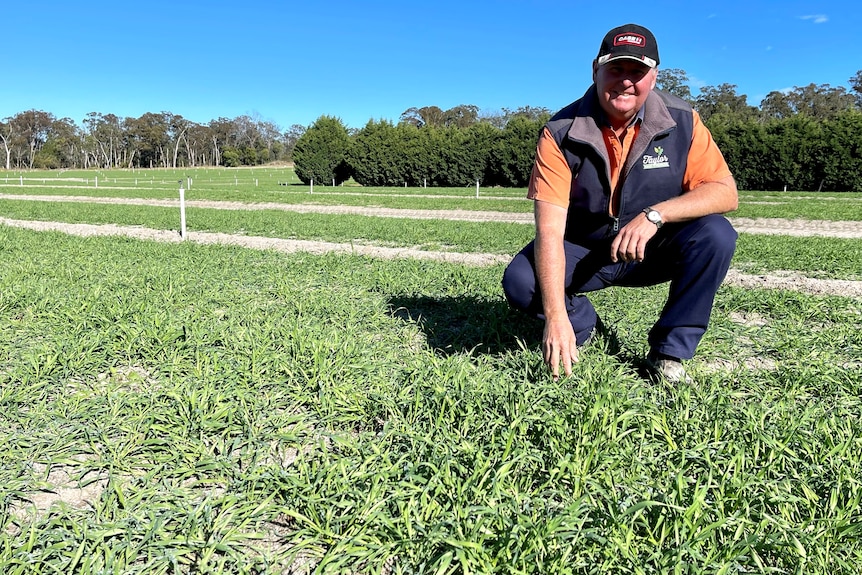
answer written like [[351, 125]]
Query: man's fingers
[[567, 365], [628, 250], [553, 359], [559, 344], [555, 369]]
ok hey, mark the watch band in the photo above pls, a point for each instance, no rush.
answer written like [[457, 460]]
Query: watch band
[[653, 216]]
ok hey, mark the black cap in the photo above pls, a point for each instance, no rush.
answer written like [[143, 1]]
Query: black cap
[[630, 41]]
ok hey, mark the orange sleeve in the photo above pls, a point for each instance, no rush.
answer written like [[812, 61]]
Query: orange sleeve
[[705, 161], [551, 179]]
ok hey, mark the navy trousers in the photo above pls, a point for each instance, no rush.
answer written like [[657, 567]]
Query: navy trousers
[[693, 256]]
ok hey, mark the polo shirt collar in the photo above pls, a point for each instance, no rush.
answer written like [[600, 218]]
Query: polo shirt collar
[[637, 119]]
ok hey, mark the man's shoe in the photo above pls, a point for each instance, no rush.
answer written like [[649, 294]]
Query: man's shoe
[[667, 368]]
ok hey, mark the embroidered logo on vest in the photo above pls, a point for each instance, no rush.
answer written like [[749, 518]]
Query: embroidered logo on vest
[[657, 161]]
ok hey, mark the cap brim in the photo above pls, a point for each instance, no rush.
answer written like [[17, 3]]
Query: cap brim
[[602, 60]]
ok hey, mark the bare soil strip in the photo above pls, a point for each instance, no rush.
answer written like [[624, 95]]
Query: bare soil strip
[[801, 228], [774, 226], [781, 280]]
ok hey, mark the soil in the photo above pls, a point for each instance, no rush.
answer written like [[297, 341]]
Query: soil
[[789, 280]]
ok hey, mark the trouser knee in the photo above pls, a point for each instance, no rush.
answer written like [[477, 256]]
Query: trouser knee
[[519, 284], [717, 236]]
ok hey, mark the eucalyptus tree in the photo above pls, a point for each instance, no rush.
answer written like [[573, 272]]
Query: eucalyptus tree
[[268, 142], [776, 106], [496, 118], [818, 102], [63, 147], [147, 137], [197, 140], [462, 116], [290, 137], [6, 139], [536, 113], [25, 135], [425, 116], [104, 139], [856, 87], [176, 128], [222, 135], [245, 131], [674, 81], [722, 100]]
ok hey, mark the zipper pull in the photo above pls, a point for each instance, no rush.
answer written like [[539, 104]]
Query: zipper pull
[[615, 227]]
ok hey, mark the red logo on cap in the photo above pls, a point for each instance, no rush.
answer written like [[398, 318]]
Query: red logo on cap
[[629, 39]]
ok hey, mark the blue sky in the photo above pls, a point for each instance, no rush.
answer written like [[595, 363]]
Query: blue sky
[[291, 62]]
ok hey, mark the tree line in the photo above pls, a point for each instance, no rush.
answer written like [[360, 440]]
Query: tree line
[[808, 138], [37, 139]]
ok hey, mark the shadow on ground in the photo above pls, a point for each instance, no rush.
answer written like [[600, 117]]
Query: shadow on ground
[[454, 325], [468, 324]]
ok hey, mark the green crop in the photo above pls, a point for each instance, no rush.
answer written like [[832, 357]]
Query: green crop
[[182, 408]]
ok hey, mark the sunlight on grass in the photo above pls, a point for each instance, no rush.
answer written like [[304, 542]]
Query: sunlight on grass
[[174, 408]]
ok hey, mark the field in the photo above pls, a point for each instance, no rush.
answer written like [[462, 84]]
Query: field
[[329, 381]]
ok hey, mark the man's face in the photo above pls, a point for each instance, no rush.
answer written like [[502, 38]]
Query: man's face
[[623, 86]]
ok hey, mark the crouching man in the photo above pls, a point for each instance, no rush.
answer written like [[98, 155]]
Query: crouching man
[[628, 188]]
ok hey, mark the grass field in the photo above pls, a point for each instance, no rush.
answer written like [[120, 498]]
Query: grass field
[[184, 408]]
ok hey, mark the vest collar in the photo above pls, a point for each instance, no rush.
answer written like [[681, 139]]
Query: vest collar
[[586, 125]]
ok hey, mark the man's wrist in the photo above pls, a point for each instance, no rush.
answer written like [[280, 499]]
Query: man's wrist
[[654, 216], [551, 317]]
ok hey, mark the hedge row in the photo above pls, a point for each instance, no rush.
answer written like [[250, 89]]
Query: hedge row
[[796, 153]]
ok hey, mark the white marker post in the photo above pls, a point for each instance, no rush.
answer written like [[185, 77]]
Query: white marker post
[[182, 211], [477, 189]]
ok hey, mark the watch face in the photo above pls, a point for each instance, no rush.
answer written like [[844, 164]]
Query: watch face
[[654, 217]]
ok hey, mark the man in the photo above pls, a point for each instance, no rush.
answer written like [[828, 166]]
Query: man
[[628, 187]]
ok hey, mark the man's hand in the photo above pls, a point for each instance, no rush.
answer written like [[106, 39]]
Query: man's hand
[[559, 344], [716, 197], [630, 243]]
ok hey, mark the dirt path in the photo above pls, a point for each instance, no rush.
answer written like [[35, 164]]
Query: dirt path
[[774, 226], [779, 280]]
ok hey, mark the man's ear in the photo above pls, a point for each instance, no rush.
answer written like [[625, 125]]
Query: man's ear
[[595, 69]]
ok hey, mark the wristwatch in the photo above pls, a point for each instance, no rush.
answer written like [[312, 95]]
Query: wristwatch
[[653, 216]]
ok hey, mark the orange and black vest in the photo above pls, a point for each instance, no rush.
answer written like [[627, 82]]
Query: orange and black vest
[[652, 172]]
